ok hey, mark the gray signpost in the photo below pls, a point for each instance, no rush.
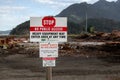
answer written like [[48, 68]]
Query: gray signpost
[[49, 73]]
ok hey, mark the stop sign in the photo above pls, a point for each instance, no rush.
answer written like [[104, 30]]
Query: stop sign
[[48, 21]]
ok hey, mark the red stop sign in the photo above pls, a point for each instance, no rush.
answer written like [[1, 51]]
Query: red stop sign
[[48, 21]]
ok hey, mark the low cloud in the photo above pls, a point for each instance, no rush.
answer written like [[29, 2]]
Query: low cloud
[[53, 2], [64, 2], [46, 1], [9, 9], [10, 16], [59, 5]]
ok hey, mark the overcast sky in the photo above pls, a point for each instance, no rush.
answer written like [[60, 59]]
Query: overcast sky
[[14, 12]]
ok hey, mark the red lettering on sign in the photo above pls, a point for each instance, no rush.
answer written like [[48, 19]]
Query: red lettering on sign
[[51, 58], [33, 28], [48, 21]]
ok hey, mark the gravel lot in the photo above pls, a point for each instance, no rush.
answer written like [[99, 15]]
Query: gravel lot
[[24, 67]]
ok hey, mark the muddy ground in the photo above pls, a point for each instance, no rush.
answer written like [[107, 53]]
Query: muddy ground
[[25, 67], [75, 62]]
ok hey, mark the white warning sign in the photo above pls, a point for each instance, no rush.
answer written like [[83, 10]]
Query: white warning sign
[[48, 50], [48, 62], [48, 29]]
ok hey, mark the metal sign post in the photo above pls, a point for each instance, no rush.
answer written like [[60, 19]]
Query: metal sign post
[[49, 73]]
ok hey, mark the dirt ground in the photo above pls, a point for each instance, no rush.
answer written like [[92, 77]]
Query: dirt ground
[[25, 67], [77, 60]]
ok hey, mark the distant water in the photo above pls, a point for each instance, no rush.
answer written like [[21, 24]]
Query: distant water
[[4, 34]]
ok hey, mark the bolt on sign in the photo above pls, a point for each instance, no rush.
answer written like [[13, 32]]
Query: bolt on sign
[[48, 29], [48, 50], [49, 62]]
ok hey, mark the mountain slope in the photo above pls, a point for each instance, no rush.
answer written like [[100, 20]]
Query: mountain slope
[[102, 25], [103, 15], [100, 9], [22, 29]]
